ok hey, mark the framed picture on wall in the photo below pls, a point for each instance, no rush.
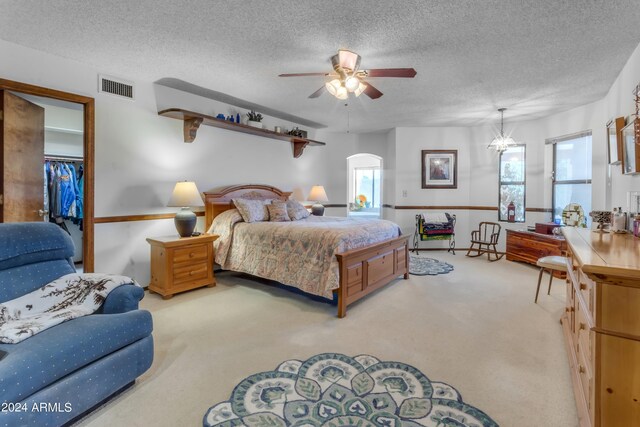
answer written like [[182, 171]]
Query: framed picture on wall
[[614, 140], [630, 150], [439, 168]]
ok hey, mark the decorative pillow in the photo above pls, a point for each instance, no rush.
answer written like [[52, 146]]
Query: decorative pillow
[[296, 211], [252, 210], [278, 211]]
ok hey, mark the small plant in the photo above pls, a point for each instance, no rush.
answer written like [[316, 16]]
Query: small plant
[[254, 117]]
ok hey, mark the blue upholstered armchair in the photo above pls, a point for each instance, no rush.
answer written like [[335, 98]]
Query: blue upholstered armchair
[[62, 372]]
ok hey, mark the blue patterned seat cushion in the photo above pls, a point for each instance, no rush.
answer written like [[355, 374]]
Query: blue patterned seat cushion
[[30, 242], [32, 254], [57, 352]]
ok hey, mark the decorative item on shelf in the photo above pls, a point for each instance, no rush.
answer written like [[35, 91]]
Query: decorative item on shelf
[[277, 129], [317, 195], [602, 218], [185, 195], [501, 142], [254, 119], [636, 226], [511, 212], [220, 116], [238, 118], [298, 132], [231, 119]]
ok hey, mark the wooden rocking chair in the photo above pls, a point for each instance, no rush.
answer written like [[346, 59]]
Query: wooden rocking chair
[[486, 237]]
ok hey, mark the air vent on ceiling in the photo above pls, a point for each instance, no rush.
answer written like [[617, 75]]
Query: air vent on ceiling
[[115, 86]]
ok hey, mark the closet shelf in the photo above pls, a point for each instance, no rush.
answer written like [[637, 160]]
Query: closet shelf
[[192, 122]]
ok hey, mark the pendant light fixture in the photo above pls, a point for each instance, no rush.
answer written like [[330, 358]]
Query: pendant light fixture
[[501, 142]]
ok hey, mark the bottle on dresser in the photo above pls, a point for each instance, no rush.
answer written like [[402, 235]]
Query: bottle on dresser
[[619, 221]]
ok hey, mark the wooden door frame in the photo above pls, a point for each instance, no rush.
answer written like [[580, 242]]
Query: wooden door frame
[[88, 260]]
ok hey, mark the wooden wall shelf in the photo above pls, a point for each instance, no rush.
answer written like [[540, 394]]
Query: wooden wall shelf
[[192, 122]]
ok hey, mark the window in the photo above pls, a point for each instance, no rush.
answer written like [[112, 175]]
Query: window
[[512, 181], [367, 184], [571, 172], [364, 186]]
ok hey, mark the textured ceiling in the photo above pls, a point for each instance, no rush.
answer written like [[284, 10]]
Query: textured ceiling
[[533, 57]]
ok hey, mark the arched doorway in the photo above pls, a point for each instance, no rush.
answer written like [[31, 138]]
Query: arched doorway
[[364, 186]]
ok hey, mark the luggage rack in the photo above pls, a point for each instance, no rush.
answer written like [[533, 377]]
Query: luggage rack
[[422, 234]]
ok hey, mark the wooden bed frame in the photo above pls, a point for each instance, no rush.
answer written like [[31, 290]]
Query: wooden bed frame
[[362, 270]]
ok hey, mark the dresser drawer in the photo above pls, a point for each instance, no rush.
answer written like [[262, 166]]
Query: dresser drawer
[[190, 253], [585, 373], [583, 336], [197, 271], [587, 288]]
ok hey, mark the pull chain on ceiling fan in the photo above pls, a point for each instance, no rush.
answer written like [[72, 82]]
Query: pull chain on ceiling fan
[[347, 77]]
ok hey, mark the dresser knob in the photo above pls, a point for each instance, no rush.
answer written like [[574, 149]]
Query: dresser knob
[[191, 273], [191, 254], [581, 369], [583, 326], [583, 287]]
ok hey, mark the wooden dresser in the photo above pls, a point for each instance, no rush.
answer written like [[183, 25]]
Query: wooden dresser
[[601, 326], [181, 264], [528, 246]]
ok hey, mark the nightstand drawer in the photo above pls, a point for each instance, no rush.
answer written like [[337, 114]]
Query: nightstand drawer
[[190, 272], [190, 253]]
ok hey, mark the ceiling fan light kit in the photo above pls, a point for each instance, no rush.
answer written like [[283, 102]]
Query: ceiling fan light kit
[[502, 142], [347, 77]]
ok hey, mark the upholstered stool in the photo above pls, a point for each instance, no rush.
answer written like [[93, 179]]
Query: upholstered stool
[[551, 263]]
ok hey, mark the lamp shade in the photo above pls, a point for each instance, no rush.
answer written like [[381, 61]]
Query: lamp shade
[[185, 194], [317, 194]]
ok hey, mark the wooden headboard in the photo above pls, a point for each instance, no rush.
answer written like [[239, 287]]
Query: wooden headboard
[[219, 200]]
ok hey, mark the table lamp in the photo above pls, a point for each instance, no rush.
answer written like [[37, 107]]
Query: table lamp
[[317, 195], [185, 195]]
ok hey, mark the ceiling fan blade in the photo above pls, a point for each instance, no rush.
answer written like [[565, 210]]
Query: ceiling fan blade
[[303, 74], [318, 92], [372, 92], [391, 72]]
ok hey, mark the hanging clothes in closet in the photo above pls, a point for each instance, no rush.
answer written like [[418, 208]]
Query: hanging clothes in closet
[[63, 192]]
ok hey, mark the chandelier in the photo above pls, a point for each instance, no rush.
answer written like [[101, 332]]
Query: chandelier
[[501, 142]]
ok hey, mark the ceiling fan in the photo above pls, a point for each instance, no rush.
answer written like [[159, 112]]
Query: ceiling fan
[[347, 77]]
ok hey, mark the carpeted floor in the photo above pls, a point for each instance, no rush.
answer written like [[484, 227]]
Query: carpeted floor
[[475, 328]]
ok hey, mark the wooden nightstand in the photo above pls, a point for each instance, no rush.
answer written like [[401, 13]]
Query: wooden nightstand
[[181, 264]]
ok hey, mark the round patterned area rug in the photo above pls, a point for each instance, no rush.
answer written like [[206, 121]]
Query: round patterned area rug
[[422, 266], [334, 390]]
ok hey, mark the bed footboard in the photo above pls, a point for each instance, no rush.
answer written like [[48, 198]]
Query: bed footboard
[[364, 270]]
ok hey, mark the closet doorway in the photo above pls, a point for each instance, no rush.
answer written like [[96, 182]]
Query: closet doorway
[[47, 161]]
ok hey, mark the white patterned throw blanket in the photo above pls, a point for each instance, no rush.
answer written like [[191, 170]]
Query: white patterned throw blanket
[[70, 296], [296, 253]]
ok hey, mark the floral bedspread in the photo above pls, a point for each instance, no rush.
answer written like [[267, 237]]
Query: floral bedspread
[[297, 253]]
